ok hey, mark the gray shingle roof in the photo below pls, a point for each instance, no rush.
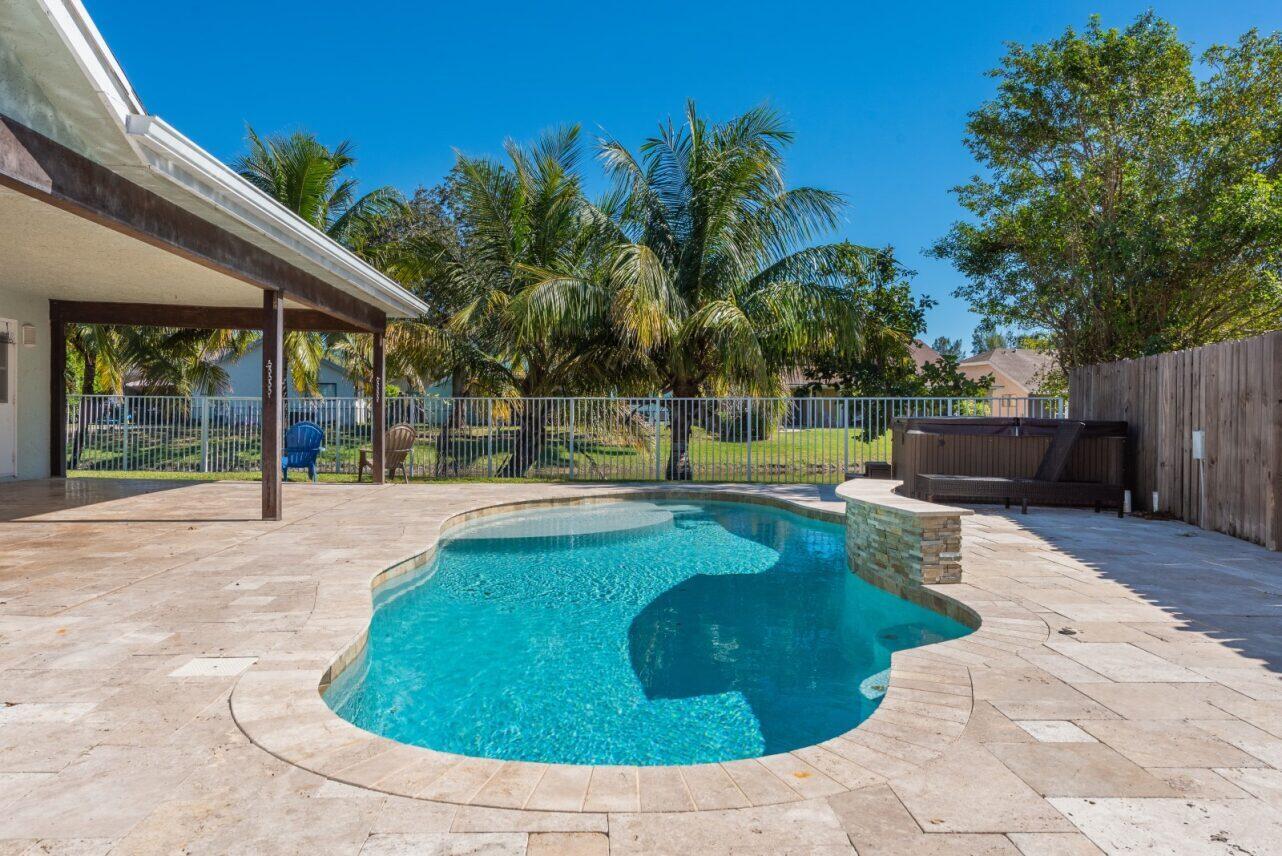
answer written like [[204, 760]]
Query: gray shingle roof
[[1022, 365], [923, 353]]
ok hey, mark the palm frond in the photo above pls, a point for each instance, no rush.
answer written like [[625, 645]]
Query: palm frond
[[646, 308]]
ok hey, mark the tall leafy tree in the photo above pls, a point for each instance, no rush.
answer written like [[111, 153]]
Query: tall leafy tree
[[884, 365], [987, 337], [1127, 204], [314, 181], [947, 347], [715, 273], [422, 246]]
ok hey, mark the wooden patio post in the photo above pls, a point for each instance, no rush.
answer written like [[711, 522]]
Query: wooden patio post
[[273, 362], [379, 416], [58, 393]]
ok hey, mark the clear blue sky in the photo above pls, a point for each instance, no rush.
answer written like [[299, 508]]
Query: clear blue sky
[[876, 92]]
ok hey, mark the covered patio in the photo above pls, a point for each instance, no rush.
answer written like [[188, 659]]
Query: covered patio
[[111, 216]]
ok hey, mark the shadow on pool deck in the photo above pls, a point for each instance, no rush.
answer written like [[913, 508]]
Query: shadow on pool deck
[[1225, 588], [107, 501]]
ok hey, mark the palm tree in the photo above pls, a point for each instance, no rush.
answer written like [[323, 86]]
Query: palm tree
[[182, 362], [420, 246], [160, 360], [174, 361], [529, 274], [310, 179], [713, 274]]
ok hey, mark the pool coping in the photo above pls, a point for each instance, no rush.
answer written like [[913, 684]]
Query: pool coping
[[927, 704]]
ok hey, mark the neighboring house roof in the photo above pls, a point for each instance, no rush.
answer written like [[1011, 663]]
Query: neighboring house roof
[[923, 353], [1023, 366], [69, 87], [919, 351]]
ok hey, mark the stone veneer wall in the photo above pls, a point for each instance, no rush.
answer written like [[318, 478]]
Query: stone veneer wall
[[908, 547]]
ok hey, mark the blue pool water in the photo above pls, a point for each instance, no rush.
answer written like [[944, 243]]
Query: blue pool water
[[631, 633]]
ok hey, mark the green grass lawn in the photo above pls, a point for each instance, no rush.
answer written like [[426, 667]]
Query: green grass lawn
[[252, 476], [821, 455]]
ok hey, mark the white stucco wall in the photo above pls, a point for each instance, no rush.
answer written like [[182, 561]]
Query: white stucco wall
[[32, 396]]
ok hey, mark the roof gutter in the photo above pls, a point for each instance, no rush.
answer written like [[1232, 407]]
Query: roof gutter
[[91, 53], [166, 152], [170, 154]]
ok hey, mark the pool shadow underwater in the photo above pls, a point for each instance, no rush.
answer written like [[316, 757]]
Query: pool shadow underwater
[[794, 643], [631, 633]]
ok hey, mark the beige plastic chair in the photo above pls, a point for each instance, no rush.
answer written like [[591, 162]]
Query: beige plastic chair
[[398, 445]]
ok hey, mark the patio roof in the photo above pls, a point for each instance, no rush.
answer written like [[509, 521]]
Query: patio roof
[[126, 221], [67, 87]]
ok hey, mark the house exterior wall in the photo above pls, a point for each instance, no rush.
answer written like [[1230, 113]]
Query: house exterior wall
[[23, 99], [1003, 385], [32, 393], [443, 388], [245, 376]]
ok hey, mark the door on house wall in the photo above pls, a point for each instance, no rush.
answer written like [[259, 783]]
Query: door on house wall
[[8, 406]]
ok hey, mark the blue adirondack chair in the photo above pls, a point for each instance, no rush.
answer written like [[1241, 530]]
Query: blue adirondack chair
[[303, 442]]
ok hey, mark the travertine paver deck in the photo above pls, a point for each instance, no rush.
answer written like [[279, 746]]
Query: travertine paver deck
[[1145, 714], [924, 708]]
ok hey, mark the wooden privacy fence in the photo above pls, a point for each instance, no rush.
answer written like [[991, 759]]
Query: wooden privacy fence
[[1232, 394]]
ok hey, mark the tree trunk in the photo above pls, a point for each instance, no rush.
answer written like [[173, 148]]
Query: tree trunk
[[531, 438], [447, 462], [682, 422], [82, 418]]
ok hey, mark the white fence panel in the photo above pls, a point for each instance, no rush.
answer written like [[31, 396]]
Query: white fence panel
[[821, 440]]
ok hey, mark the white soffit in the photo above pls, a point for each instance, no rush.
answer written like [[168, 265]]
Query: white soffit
[[67, 257]]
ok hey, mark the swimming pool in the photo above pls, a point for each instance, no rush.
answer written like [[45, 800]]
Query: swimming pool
[[631, 633]]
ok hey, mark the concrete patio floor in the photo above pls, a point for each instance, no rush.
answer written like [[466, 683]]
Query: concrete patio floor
[[1127, 697]]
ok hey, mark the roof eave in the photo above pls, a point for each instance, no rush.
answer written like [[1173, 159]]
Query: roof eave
[[164, 151], [168, 153], [92, 54]]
